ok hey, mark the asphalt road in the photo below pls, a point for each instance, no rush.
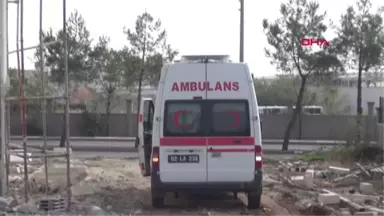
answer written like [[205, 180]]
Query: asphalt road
[[128, 146]]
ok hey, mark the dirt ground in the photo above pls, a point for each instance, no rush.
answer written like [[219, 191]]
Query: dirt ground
[[117, 186]]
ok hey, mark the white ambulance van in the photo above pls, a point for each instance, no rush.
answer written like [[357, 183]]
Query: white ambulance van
[[204, 130]]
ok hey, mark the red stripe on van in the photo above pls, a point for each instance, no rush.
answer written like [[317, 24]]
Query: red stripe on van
[[231, 150], [231, 141], [183, 141]]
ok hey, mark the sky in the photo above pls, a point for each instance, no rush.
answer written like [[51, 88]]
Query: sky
[[194, 26]]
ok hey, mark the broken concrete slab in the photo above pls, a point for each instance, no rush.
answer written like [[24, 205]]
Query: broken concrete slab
[[366, 213], [345, 213], [19, 159], [95, 210], [7, 203], [366, 187], [27, 208], [339, 170], [62, 150], [328, 198], [57, 178]]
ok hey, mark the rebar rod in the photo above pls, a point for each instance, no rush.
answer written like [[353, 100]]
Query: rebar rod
[[69, 192], [35, 98], [22, 102], [43, 102], [17, 45], [32, 47]]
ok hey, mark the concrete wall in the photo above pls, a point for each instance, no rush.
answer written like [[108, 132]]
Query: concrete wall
[[324, 127]]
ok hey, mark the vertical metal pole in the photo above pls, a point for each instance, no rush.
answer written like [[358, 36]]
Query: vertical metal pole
[[43, 102], [69, 194], [22, 102], [3, 89], [241, 30], [7, 157]]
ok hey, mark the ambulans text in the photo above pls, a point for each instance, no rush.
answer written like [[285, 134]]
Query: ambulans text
[[205, 86]]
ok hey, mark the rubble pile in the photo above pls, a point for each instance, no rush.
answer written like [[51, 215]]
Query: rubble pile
[[333, 190], [57, 182]]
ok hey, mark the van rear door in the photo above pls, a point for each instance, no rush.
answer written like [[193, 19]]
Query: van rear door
[[144, 139], [230, 142], [183, 151]]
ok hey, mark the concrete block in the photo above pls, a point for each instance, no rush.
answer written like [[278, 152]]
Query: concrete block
[[345, 213], [297, 178], [18, 159], [378, 176], [327, 198], [308, 178], [367, 213], [62, 150], [366, 187]]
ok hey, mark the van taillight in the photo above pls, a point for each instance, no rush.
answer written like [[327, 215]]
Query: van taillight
[[155, 159], [258, 157]]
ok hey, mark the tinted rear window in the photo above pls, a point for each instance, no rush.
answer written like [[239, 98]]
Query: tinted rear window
[[207, 118], [230, 118], [183, 119]]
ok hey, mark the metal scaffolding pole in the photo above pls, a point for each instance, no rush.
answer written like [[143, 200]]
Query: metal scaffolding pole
[[43, 102], [23, 111], [69, 192], [3, 89]]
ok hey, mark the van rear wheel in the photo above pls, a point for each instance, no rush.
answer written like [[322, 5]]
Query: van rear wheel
[[158, 202], [254, 200]]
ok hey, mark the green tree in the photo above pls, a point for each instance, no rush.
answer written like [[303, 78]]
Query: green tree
[[299, 19], [281, 91], [360, 43], [149, 41], [32, 85], [79, 47], [109, 70]]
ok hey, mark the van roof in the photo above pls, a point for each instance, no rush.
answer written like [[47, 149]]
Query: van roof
[[204, 59]]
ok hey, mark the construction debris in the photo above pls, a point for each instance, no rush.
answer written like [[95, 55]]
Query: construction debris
[[358, 187]]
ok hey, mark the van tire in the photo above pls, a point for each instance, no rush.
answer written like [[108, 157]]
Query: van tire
[[158, 202], [254, 201]]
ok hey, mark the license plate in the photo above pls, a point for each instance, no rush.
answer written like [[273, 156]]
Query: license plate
[[183, 159]]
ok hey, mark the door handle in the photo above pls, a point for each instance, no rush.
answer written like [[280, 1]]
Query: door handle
[[210, 148]]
